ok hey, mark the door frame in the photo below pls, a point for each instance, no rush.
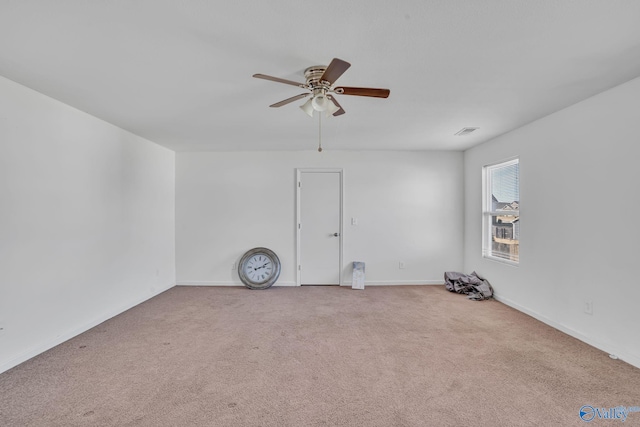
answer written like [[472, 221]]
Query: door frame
[[299, 172]]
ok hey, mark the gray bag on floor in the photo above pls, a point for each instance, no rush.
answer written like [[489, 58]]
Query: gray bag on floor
[[474, 286]]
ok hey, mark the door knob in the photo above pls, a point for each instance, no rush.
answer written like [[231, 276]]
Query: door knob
[[336, 234]]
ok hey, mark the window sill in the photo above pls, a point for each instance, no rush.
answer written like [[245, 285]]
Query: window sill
[[502, 260]]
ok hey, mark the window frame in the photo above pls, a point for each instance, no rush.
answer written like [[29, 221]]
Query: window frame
[[488, 213]]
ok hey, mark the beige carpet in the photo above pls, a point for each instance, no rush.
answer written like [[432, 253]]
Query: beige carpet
[[317, 356]]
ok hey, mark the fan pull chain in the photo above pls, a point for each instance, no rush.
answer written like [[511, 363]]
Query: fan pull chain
[[319, 131]]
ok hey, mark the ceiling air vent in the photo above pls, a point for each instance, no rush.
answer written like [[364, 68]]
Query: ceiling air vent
[[465, 131]]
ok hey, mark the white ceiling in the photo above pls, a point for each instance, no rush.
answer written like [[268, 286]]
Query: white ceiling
[[179, 72]]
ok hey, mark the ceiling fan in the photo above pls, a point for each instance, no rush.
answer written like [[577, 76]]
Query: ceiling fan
[[320, 81]]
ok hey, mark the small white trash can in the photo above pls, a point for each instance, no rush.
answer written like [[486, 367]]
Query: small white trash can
[[358, 275]]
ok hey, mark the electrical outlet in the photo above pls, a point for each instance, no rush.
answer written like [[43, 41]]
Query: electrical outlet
[[588, 307], [233, 266], [401, 265], [354, 221]]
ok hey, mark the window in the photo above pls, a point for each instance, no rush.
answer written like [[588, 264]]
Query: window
[[501, 211]]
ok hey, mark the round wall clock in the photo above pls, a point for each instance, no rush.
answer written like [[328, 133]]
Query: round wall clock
[[259, 268]]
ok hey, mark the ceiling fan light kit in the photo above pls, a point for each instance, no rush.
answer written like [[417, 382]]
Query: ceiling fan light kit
[[319, 102], [307, 107]]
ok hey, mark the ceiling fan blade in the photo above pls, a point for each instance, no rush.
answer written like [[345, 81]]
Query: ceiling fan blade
[[289, 100], [335, 102], [335, 70], [278, 79], [363, 91]]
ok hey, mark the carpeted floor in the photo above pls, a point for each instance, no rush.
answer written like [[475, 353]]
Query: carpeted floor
[[317, 356]]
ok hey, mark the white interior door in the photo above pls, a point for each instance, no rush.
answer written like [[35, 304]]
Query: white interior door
[[320, 199]]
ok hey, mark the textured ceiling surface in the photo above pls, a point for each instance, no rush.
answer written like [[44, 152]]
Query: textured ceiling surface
[[179, 72]]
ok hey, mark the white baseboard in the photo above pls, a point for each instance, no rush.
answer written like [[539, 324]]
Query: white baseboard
[[228, 283], [211, 283], [630, 359], [367, 283], [397, 282], [23, 357]]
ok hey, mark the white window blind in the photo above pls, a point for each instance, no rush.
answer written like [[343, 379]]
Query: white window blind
[[501, 211]]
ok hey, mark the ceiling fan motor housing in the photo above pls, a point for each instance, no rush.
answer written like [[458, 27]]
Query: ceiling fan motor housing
[[313, 74]]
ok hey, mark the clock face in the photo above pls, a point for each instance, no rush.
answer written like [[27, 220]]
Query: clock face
[[259, 268]]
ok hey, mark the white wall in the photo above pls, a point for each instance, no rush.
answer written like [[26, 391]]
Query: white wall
[[579, 219], [86, 222], [408, 204]]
